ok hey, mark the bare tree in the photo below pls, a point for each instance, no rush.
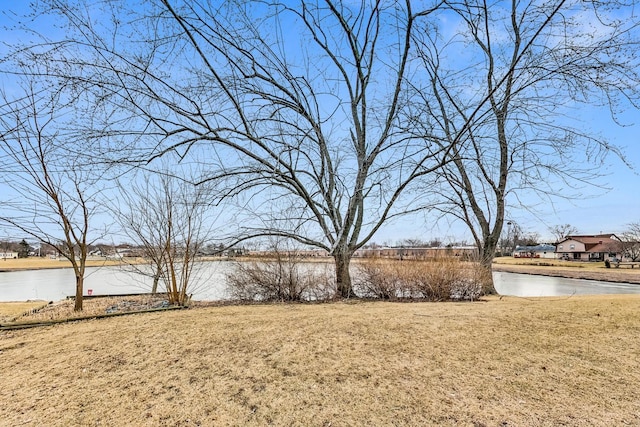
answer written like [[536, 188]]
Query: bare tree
[[167, 217], [295, 107], [413, 243], [55, 193], [630, 241], [518, 68], [510, 237], [562, 231]]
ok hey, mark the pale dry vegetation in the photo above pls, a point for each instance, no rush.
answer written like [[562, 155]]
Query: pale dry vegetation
[[440, 279], [285, 277], [549, 262], [10, 311], [288, 278], [37, 263], [502, 362], [97, 306]]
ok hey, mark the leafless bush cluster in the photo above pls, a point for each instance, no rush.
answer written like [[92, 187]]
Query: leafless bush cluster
[[437, 280], [284, 278]]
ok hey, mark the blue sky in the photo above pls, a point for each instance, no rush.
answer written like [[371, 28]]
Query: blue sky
[[608, 207], [599, 209]]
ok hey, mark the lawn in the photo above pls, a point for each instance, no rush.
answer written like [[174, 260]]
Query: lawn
[[500, 362], [37, 263]]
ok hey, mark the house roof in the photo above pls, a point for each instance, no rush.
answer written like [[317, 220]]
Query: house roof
[[612, 246], [595, 238]]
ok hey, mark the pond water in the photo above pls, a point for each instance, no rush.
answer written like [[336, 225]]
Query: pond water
[[57, 284], [528, 285]]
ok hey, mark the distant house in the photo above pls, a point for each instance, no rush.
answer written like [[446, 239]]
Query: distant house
[[8, 255], [597, 247], [537, 251]]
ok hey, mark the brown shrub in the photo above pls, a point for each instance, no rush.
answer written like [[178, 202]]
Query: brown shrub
[[436, 280], [377, 278], [284, 278]]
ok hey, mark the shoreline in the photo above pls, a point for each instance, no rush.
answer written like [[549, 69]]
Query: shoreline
[[610, 275]]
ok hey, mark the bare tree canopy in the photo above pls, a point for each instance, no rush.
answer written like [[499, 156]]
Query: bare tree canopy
[[54, 190], [505, 90], [630, 239], [169, 219], [295, 107], [562, 231]]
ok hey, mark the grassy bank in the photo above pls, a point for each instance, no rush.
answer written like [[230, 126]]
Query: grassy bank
[[36, 263], [503, 362], [10, 311]]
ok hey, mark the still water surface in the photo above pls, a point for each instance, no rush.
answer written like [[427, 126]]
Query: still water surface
[[57, 284], [528, 285]]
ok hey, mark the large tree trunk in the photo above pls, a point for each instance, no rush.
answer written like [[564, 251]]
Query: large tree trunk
[[79, 290], [343, 276], [487, 252]]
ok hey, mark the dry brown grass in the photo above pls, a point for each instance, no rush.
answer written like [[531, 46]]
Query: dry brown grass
[[544, 262], [533, 261], [64, 309], [34, 263], [505, 362], [9, 311]]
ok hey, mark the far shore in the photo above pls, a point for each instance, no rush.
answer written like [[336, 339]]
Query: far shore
[[35, 263]]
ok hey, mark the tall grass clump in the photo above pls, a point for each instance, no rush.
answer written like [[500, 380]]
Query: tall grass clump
[[282, 278], [434, 280]]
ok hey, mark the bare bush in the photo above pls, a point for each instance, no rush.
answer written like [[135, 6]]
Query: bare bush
[[284, 278], [170, 220], [378, 278], [436, 280]]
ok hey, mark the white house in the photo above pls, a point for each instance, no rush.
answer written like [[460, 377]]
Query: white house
[[8, 255], [537, 251]]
